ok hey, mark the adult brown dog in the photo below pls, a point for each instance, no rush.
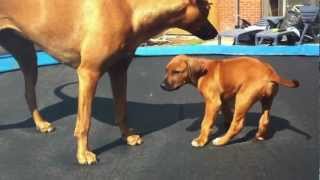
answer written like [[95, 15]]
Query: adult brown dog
[[94, 37], [232, 86]]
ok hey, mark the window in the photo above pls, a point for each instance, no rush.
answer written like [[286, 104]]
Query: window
[[280, 7], [273, 7]]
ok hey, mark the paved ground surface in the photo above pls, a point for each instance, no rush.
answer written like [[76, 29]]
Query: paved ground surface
[[168, 121]]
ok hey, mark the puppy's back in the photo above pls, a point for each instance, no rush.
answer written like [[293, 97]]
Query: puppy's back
[[235, 71]]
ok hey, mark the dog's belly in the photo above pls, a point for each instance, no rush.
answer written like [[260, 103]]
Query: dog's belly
[[66, 56], [63, 28], [44, 25]]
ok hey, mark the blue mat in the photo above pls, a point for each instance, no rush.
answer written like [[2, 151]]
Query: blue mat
[[304, 50], [7, 63]]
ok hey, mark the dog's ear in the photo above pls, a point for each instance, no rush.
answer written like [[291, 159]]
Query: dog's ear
[[192, 1], [196, 69], [195, 1]]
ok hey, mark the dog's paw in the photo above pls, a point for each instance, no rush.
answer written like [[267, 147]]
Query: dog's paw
[[218, 141], [134, 140], [86, 158], [198, 143], [45, 127], [259, 138]]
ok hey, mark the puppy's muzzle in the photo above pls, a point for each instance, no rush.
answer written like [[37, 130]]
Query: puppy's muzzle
[[165, 86]]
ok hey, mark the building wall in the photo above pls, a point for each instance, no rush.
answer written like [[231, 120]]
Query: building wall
[[251, 10], [223, 14], [227, 12]]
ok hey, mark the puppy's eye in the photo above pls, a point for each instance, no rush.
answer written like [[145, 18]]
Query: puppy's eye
[[176, 72]]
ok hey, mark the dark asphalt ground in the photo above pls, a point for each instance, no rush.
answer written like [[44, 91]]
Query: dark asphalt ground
[[168, 121]]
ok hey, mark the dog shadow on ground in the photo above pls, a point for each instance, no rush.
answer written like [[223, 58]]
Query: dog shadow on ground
[[147, 118]]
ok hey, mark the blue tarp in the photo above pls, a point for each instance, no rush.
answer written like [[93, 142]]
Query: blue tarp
[[7, 63], [304, 50]]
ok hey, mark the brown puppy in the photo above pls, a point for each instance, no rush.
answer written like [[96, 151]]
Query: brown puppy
[[235, 83], [94, 37]]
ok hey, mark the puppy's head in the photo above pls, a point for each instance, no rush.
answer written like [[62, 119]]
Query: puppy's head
[[180, 71]]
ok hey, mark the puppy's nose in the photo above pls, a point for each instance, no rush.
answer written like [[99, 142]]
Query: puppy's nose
[[163, 85]]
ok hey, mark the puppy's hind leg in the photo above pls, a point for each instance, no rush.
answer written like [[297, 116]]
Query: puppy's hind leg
[[266, 102], [227, 110], [24, 53], [244, 101], [264, 119]]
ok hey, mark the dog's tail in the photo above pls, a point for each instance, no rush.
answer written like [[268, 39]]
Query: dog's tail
[[285, 82]]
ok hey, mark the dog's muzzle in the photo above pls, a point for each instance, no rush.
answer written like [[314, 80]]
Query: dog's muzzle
[[166, 87], [206, 31]]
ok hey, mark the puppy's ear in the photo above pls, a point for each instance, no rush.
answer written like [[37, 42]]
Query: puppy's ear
[[196, 69]]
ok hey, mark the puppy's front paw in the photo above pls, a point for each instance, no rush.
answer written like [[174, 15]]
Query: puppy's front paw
[[133, 140], [198, 142], [219, 141]]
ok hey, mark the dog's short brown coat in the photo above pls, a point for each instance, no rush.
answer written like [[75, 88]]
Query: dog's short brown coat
[[230, 85], [94, 37]]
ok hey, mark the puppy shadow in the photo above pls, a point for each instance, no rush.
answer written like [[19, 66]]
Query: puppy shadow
[[276, 124]]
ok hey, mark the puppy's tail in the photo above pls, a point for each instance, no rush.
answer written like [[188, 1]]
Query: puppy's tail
[[285, 82]]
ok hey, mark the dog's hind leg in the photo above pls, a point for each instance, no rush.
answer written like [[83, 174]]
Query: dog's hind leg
[[264, 119], [243, 102], [266, 102], [24, 53], [227, 110]]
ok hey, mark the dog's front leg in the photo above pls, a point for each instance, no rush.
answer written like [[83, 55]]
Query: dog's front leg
[[211, 111], [118, 77], [87, 86]]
